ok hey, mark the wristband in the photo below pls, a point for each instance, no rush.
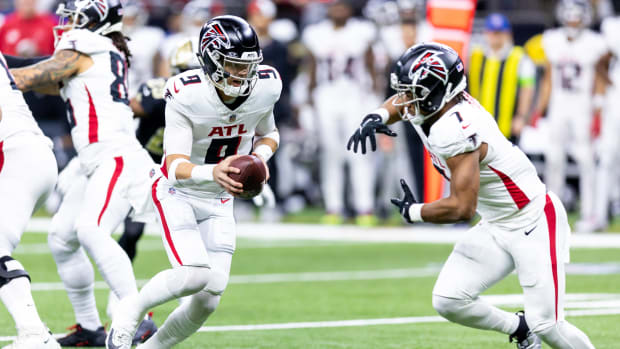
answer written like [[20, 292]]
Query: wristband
[[172, 169], [264, 151], [415, 213], [597, 101], [203, 173], [383, 113]]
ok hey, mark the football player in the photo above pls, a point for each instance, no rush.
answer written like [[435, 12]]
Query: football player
[[212, 114], [89, 71], [523, 227], [28, 173], [607, 171], [567, 89], [342, 78]]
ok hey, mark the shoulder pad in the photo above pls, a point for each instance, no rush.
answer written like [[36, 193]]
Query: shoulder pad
[[82, 41], [181, 89], [454, 134], [269, 83]]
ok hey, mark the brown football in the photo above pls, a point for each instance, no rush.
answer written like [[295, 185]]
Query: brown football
[[252, 175]]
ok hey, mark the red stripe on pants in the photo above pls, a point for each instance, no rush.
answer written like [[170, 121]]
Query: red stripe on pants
[[163, 222], [93, 123], [115, 175], [1, 156], [550, 215]]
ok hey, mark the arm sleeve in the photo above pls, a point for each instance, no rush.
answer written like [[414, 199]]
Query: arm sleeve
[[18, 62], [267, 124], [178, 133]]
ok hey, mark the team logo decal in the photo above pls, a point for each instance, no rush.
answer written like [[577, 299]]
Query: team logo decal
[[215, 37], [101, 6], [232, 118], [429, 63]]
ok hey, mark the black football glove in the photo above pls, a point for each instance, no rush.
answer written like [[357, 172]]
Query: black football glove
[[404, 204], [371, 124]]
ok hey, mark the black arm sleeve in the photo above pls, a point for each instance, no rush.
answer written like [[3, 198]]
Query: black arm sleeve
[[18, 62]]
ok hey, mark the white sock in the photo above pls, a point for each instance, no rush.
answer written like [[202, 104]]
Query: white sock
[[184, 321], [165, 286], [563, 335], [476, 313], [78, 276], [111, 260], [17, 297]]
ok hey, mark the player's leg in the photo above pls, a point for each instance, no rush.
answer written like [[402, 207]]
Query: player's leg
[[28, 173], [190, 316], [361, 167], [187, 254], [540, 258], [129, 240], [584, 156], [104, 207], [606, 174], [476, 263], [74, 267], [332, 156], [555, 154], [218, 234]]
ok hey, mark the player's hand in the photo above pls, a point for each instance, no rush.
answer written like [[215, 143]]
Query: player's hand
[[406, 202], [221, 176], [264, 164], [370, 125]]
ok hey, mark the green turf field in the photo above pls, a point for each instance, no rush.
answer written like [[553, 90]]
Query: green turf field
[[321, 282]]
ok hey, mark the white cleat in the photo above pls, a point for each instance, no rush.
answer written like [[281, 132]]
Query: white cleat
[[39, 340], [119, 338], [531, 342]]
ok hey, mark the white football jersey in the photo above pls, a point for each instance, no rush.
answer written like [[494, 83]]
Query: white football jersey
[[216, 130], [509, 184], [97, 100], [339, 53], [573, 69], [144, 46], [16, 116], [610, 29]]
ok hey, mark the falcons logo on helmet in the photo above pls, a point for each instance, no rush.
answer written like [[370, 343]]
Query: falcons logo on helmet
[[101, 6], [429, 63], [215, 37]]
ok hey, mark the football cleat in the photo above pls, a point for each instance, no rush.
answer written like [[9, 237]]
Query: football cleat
[[119, 338], [146, 329], [530, 341], [43, 340], [81, 337]]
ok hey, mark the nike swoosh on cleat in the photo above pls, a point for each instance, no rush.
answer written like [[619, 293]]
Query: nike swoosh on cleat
[[529, 231]]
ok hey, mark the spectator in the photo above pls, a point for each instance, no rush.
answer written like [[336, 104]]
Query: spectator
[[26, 32]]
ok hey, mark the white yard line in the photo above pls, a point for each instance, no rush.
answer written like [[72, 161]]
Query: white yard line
[[404, 273], [353, 323], [418, 233]]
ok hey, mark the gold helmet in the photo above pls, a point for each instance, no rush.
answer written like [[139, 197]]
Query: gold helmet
[[183, 57]]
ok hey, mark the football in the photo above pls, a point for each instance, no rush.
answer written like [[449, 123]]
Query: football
[[252, 175]]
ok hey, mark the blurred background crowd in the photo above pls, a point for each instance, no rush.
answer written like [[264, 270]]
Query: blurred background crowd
[[334, 57]]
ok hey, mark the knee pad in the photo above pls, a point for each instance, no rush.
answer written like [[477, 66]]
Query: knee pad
[[539, 320], [58, 245], [11, 269], [447, 307], [217, 283], [206, 301], [188, 280]]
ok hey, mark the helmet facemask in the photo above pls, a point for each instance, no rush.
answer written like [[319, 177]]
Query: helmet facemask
[[73, 16], [234, 76], [425, 103]]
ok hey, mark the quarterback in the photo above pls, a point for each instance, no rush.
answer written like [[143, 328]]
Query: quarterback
[[523, 226], [212, 114]]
